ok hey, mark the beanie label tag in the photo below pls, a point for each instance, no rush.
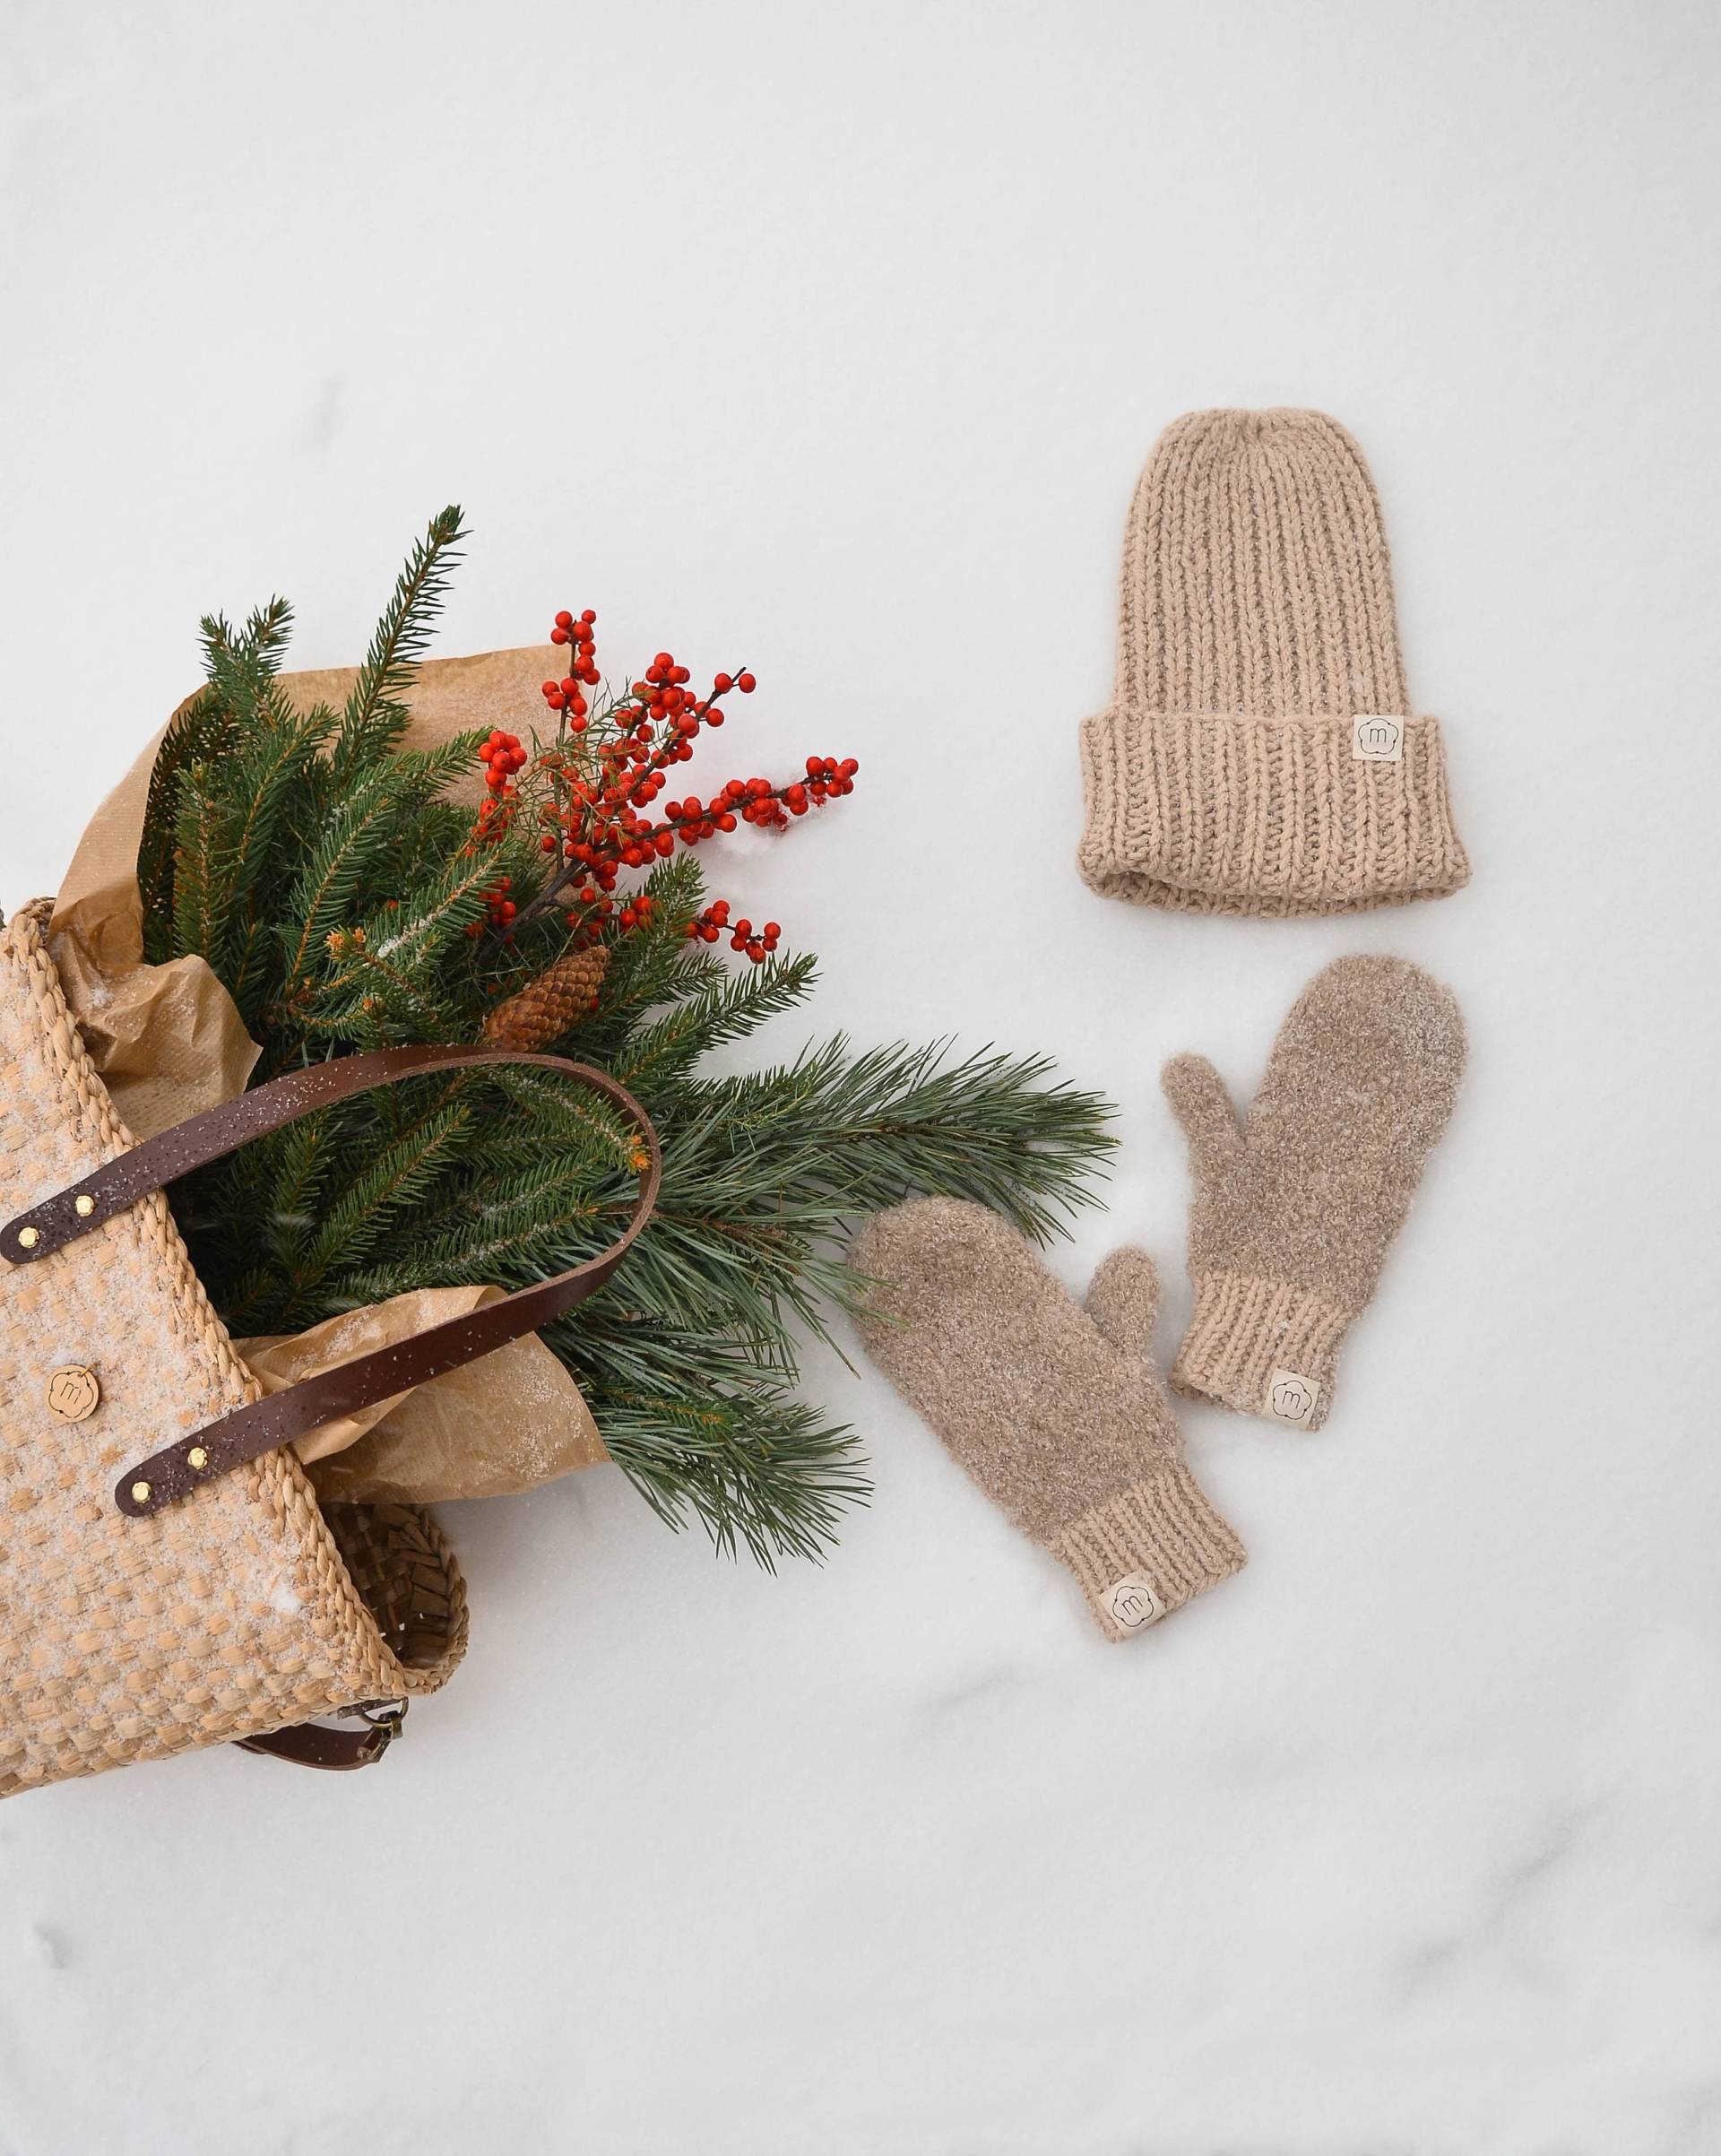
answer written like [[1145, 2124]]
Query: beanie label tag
[[1291, 1397], [1377, 737], [1131, 1603]]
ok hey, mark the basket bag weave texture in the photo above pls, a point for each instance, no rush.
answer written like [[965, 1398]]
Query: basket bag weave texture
[[232, 1614]]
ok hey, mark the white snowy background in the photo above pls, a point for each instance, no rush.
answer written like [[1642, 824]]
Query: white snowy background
[[834, 337]]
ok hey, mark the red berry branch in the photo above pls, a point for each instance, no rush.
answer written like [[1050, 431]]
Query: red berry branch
[[715, 921], [593, 790]]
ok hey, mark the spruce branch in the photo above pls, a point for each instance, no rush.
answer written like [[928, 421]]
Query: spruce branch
[[361, 836], [376, 713], [258, 787], [198, 733]]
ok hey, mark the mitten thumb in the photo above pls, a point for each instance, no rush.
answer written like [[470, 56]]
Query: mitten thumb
[[1123, 1299], [1200, 1102]]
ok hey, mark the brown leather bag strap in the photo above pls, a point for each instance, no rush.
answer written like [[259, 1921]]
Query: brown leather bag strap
[[337, 1751], [244, 1433]]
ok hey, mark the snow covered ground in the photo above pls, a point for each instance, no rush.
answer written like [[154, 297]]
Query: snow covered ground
[[833, 339]]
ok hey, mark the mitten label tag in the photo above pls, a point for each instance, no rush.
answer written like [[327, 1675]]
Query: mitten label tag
[[1131, 1603], [1377, 737], [1291, 1397]]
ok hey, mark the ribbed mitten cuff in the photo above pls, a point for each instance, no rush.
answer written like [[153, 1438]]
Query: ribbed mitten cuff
[[1233, 813], [1261, 1346], [1148, 1550]]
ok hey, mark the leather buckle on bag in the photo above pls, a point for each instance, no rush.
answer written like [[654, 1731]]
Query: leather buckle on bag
[[315, 1744], [385, 1717]]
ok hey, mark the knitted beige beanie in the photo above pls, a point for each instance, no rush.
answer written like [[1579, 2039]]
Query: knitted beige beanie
[[1295, 1209], [1053, 1410], [1260, 755]]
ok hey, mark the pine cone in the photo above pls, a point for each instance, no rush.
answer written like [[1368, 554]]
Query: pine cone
[[553, 1004]]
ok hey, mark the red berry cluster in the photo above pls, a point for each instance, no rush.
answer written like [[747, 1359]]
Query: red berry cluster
[[568, 694], [600, 912], [693, 819], [500, 909], [501, 757], [715, 921], [597, 815], [824, 777]]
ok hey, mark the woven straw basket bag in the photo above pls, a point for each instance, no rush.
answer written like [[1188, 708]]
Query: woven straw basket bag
[[167, 1577]]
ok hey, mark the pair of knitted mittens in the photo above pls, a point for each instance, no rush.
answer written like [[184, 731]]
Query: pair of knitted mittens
[[1055, 1410]]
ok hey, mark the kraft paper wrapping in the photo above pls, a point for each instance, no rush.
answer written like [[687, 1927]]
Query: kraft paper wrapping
[[166, 1039], [431, 1444], [169, 1043]]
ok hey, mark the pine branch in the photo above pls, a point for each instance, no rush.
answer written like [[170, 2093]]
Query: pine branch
[[248, 1218], [375, 714], [753, 1464], [759, 1467], [567, 1118], [731, 1007], [197, 923], [198, 734], [361, 831], [389, 974], [878, 1127], [236, 662], [352, 1225], [375, 1003], [256, 790], [506, 1229]]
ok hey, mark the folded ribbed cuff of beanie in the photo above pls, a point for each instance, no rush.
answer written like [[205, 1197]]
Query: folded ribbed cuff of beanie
[[1233, 813], [1148, 1550], [1261, 1346]]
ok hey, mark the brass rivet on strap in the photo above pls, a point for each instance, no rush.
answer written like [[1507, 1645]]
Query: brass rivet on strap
[[28, 1238], [83, 1206], [197, 1457], [72, 1392], [140, 1493]]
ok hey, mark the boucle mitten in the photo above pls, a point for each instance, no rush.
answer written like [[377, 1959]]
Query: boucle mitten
[[1053, 1410], [1294, 1210], [1260, 755]]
